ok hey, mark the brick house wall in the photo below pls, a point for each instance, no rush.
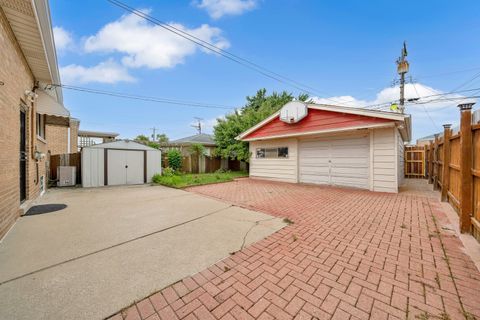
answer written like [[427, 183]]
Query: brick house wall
[[56, 134], [74, 127], [17, 78]]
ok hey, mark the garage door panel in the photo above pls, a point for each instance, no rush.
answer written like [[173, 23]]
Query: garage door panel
[[342, 161]]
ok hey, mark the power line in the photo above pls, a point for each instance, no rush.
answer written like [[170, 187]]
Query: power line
[[447, 73], [145, 98], [209, 46], [425, 109]]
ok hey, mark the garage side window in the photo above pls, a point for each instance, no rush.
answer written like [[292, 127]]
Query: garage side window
[[272, 153]]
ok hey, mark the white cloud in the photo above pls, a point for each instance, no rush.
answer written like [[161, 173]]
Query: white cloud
[[105, 72], [219, 8], [427, 118], [63, 38], [145, 45]]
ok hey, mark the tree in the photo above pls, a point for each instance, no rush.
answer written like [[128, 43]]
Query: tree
[[257, 108], [162, 138], [141, 138]]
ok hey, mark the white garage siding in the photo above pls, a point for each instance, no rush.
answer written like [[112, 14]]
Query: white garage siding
[[341, 160], [93, 165], [281, 169], [401, 159], [384, 160], [154, 159]]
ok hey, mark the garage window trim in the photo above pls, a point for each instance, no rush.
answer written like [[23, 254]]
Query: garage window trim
[[272, 153]]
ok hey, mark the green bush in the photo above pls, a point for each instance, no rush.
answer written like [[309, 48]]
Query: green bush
[[174, 159], [157, 178], [168, 172]]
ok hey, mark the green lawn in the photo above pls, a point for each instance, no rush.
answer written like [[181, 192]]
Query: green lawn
[[187, 180]]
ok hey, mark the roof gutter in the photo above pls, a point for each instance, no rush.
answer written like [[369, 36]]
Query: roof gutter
[[41, 10]]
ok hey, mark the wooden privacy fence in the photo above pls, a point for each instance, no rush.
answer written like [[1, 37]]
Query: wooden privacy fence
[[68, 159], [453, 167], [415, 162]]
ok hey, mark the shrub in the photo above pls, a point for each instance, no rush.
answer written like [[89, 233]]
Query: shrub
[[168, 172], [174, 159], [157, 178], [221, 170]]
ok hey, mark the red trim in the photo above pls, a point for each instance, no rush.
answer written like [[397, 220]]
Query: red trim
[[316, 120]]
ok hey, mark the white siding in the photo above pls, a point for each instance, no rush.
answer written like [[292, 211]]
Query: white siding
[[401, 159], [92, 167], [154, 164], [282, 169], [384, 160]]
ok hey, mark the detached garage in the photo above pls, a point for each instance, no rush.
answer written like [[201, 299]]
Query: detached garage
[[330, 145], [120, 162]]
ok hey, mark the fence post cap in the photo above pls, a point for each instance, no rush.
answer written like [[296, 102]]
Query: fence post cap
[[466, 106], [447, 125]]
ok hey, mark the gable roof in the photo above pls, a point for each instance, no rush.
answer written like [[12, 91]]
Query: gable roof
[[379, 116], [202, 138], [121, 144]]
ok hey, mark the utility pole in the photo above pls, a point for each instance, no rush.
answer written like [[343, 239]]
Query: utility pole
[[198, 126], [153, 134], [402, 69]]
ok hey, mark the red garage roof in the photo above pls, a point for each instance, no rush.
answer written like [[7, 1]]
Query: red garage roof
[[322, 119]]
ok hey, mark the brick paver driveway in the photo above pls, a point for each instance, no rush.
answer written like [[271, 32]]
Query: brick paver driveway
[[349, 254]]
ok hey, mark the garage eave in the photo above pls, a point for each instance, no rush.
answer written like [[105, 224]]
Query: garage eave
[[318, 132]]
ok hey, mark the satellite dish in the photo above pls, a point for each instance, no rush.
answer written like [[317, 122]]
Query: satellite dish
[[293, 112]]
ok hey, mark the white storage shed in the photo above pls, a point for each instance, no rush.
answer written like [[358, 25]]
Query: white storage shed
[[120, 162]]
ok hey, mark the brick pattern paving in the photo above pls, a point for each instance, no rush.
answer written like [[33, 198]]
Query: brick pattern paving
[[349, 254]]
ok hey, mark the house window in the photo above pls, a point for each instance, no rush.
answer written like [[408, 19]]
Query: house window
[[271, 153], [40, 125]]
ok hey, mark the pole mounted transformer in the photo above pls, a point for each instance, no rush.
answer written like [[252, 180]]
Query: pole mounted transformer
[[402, 69]]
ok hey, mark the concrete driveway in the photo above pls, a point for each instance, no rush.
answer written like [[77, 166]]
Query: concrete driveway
[[112, 246], [350, 254]]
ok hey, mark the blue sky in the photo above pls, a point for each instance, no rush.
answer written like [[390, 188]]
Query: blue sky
[[344, 49]]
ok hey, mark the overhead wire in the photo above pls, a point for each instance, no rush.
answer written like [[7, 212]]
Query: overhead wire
[[226, 54], [145, 98]]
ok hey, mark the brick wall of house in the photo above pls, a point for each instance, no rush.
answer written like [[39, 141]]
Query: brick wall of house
[[74, 127], [57, 138], [17, 78]]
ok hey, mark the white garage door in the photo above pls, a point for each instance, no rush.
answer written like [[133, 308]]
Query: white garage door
[[341, 161], [125, 167]]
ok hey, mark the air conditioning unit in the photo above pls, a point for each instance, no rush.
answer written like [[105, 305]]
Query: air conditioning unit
[[67, 176]]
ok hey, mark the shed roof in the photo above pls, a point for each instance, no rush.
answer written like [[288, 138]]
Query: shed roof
[[122, 144], [202, 138]]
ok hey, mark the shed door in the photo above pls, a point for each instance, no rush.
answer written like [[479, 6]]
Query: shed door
[[125, 167], [341, 161], [135, 167]]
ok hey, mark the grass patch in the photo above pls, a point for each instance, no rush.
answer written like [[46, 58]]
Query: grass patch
[[187, 180]]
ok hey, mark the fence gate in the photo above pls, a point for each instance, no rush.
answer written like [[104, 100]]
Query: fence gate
[[415, 162]]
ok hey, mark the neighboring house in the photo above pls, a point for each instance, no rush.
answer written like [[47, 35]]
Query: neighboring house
[[425, 140], [33, 119], [330, 145], [90, 138], [206, 163]]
